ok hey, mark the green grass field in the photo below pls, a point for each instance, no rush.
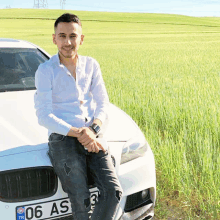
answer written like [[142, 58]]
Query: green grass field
[[164, 71]]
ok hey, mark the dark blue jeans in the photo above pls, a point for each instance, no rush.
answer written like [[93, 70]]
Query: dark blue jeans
[[71, 163]]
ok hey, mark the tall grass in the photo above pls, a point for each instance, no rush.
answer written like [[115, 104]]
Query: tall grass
[[164, 71]]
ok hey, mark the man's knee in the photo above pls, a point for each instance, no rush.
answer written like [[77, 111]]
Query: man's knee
[[80, 203], [114, 195]]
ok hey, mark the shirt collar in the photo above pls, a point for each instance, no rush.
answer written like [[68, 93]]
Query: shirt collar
[[57, 60]]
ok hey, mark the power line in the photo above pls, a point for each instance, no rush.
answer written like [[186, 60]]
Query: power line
[[62, 3], [40, 4]]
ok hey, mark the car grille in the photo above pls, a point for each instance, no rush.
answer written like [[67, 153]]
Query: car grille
[[27, 184], [136, 200]]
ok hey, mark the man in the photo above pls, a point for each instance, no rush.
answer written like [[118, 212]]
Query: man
[[71, 102]]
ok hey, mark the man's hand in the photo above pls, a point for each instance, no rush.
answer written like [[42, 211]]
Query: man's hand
[[74, 132], [88, 139]]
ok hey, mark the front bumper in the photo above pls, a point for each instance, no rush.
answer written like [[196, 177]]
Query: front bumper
[[145, 212], [135, 176]]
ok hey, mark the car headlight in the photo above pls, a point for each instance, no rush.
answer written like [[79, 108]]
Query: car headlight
[[134, 148]]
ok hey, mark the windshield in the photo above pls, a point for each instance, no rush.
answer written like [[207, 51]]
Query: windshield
[[18, 67]]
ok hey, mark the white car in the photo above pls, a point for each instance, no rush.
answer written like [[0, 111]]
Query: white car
[[29, 188]]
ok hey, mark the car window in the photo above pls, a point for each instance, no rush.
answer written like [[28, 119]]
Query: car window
[[18, 67]]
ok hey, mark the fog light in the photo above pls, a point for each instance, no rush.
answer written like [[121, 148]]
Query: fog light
[[137, 200], [144, 193]]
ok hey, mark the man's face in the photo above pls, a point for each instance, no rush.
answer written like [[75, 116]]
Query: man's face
[[68, 37]]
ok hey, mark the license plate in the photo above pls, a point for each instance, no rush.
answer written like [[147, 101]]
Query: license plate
[[50, 209]]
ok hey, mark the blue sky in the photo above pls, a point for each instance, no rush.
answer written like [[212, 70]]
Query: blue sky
[[183, 7]]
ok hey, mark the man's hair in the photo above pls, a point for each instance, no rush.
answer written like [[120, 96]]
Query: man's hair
[[67, 17]]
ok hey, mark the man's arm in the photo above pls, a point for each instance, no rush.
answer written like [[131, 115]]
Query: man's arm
[[98, 90], [74, 132], [98, 122], [43, 102], [100, 94]]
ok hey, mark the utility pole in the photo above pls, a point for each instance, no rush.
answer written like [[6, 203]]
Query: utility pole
[[62, 3], [40, 4]]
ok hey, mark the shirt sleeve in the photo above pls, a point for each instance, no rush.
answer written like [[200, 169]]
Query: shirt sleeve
[[43, 102], [100, 94]]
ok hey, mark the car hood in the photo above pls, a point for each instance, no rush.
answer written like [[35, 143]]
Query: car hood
[[19, 126]]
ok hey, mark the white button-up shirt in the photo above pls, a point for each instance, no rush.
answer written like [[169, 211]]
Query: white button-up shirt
[[61, 101]]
